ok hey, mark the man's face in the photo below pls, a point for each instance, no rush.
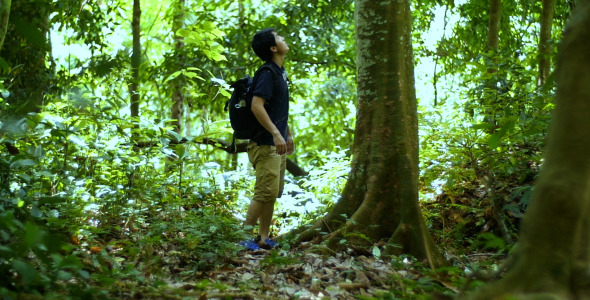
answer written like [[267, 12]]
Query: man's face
[[281, 46]]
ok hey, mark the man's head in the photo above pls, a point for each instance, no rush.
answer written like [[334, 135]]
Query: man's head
[[267, 42], [262, 42]]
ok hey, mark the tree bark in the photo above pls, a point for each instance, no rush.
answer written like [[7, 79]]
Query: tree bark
[[493, 45], [494, 24], [4, 17], [177, 113], [381, 195], [545, 41], [552, 257], [135, 59]]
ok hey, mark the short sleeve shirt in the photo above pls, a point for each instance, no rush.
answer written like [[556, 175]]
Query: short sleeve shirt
[[276, 95]]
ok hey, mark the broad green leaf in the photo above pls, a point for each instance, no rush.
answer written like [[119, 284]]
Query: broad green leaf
[[183, 32], [29, 31], [494, 141], [78, 141], [23, 163], [36, 212], [376, 252], [84, 274], [217, 57], [25, 270], [64, 275], [33, 234], [176, 137], [181, 151], [39, 152]]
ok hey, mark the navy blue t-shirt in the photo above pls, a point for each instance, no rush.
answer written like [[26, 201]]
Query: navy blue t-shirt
[[277, 101]]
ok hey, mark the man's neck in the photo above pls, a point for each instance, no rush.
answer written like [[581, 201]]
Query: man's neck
[[278, 59]]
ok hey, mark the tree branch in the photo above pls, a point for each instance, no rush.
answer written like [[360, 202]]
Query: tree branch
[[240, 147]]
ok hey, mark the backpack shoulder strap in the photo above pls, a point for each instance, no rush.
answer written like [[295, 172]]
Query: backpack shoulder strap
[[274, 72]]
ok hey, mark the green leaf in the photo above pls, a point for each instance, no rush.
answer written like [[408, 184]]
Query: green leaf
[[25, 270], [63, 275], [217, 57], [51, 200], [172, 76], [225, 93], [33, 234], [494, 141], [192, 75], [376, 252], [183, 32], [29, 31], [69, 261], [181, 151], [36, 212], [176, 137], [84, 274], [23, 163], [482, 126], [39, 152], [78, 141]]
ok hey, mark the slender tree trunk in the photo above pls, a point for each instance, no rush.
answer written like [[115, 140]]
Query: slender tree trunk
[[26, 34], [493, 42], [178, 84], [135, 59], [381, 195], [545, 41], [4, 16], [493, 45], [494, 24], [552, 257]]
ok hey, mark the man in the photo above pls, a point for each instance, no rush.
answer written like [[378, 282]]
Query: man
[[267, 151]]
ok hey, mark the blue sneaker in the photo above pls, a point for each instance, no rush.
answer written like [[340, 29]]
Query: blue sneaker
[[249, 245], [269, 244]]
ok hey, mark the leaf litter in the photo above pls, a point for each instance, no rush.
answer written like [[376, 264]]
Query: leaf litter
[[298, 274]]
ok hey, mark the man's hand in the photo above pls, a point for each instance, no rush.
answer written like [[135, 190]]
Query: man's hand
[[290, 145], [280, 144]]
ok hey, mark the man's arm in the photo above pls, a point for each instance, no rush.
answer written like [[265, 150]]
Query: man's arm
[[264, 120]]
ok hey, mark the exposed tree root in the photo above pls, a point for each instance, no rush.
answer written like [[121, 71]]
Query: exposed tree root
[[360, 240]]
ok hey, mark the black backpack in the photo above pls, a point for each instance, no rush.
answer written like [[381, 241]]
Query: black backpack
[[242, 119]]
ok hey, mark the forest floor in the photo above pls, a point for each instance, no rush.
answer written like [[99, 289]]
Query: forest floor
[[302, 273]]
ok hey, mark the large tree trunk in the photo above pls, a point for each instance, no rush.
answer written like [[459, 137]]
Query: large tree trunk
[[4, 16], [552, 257], [545, 41], [135, 59], [381, 195]]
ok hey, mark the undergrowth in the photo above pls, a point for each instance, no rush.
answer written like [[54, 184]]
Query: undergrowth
[[91, 208]]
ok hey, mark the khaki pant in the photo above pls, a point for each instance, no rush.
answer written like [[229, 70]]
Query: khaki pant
[[270, 172]]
